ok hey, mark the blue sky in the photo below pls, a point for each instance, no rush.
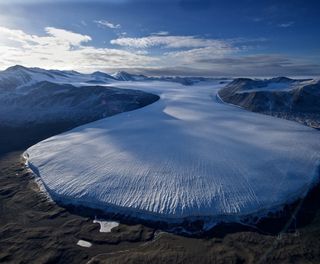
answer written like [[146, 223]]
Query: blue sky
[[176, 37]]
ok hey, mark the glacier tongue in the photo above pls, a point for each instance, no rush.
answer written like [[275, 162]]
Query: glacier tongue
[[185, 155]]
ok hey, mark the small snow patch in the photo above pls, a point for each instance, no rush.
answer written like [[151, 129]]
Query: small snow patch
[[106, 226], [83, 243]]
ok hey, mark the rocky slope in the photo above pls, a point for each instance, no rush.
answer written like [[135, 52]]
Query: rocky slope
[[32, 96], [297, 100], [52, 102]]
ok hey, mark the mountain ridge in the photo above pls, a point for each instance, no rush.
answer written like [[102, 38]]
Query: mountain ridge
[[292, 99], [18, 76]]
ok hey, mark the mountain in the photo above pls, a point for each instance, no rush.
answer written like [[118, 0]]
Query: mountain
[[47, 102], [19, 76], [100, 77], [16, 77], [188, 80], [297, 100], [125, 76]]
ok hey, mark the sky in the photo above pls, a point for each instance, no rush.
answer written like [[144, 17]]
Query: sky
[[163, 37]]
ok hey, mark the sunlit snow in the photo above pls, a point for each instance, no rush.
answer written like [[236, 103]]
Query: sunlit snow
[[83, 243], [106, 226]]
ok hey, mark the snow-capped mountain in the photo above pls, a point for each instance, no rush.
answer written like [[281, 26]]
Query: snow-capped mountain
[[100, 77], [35, 96], [125, 76], [18, 77], [272, 94]]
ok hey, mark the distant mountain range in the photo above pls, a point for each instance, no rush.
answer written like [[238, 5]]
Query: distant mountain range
[[292, 99], [32, 96], [29, 95], [18, 76]]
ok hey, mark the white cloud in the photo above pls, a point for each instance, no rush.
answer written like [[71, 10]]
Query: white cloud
[[168, 42], [194, 56], [62, 49], [286, 25], [188, 49], [105, 23], [54, 36], [67, 36], [257, 19], [161, 33]]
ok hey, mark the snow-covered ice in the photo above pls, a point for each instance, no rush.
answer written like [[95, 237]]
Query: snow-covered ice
[[83, 243], [106, 226], [186, 155]]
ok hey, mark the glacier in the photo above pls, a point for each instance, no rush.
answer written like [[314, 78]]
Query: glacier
[[187, 155]]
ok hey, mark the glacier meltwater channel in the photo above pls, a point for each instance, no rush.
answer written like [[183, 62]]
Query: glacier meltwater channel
[[186, 155]]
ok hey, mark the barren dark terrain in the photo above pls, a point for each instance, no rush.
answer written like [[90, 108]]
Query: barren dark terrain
[[34, 229]]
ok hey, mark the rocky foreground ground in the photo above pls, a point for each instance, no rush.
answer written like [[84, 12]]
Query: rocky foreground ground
[[35, 230]]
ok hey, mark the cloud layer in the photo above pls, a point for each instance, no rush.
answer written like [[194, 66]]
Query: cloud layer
[[170, 42], [175, 55], [61, 49], [107, 24]]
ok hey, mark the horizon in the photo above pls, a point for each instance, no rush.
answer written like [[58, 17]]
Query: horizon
[[198, 38], [315, 77]]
